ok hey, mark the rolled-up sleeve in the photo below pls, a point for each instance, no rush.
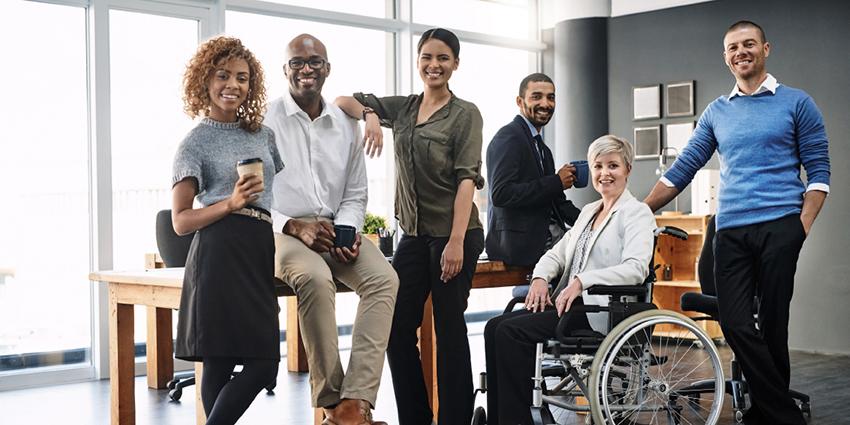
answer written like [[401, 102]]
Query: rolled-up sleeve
[[468, 149], [387, 108]]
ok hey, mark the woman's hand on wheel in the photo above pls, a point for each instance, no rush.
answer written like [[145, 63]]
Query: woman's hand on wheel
[[538, 296]]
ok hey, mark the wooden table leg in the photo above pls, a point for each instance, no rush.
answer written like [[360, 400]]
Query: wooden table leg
[[200, 415], [428, 355], [160, 347], [121, 362], [296, 356]]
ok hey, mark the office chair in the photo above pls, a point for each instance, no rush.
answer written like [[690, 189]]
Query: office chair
[[706, 303], [174, 249]]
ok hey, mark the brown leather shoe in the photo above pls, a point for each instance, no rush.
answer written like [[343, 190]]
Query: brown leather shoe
[[329, 416], [353, 412]]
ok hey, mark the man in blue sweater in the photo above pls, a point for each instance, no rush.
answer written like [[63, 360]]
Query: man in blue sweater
[[763, 131]]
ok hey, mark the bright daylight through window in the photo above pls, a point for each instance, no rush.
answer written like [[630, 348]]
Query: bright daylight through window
[[45, 317]]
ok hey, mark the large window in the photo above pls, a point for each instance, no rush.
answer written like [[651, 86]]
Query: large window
[[374, 8], [148, 123], [45, 315], [506, 18]]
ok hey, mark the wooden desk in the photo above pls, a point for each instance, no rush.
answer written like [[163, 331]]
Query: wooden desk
[[159, 290]]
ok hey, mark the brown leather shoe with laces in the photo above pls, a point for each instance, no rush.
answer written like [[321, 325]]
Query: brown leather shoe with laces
[[351, 412]]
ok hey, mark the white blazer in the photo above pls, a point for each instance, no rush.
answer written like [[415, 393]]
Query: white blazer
[[618, 252]]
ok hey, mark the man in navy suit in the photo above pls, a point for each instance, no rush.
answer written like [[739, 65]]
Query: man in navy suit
[[528, 209]]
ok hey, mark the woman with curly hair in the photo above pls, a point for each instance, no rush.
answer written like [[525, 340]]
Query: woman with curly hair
[[228, 308]]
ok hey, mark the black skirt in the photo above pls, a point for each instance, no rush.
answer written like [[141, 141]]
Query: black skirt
[[228, 307]]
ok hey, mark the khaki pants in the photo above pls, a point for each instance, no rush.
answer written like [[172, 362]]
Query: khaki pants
[[311, 275]]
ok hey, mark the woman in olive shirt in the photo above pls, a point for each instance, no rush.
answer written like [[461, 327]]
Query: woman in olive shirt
[[438, 163]]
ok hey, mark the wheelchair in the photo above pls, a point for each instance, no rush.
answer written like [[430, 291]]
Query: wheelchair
[[639, 373]]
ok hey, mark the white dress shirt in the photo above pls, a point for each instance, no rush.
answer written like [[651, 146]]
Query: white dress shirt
[[326, 168]]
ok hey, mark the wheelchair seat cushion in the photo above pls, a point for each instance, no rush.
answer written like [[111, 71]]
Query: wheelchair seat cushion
[[581, 341]]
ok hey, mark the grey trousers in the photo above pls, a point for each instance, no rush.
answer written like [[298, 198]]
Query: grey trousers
[[311, 275]]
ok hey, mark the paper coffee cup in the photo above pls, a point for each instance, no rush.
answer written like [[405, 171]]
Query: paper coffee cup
[[250, 166]]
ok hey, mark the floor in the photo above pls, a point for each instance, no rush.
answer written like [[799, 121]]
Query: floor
[[824, 377]]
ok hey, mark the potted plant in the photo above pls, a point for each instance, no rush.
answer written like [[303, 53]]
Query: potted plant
[[372, 225]]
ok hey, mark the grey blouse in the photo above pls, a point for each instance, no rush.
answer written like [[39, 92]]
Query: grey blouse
[[209, 154]]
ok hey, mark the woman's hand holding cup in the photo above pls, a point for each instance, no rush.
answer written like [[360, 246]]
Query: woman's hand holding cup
[[246, 190]]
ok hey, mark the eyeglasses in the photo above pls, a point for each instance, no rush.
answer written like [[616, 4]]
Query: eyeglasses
[[316, 63]]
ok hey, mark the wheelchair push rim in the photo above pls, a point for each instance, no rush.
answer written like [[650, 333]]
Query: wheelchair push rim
[[651, 376]]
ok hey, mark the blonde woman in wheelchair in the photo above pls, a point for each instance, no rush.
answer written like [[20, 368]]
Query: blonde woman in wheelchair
[[611, 245]]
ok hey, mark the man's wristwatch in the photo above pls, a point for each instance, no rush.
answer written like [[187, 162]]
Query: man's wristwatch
[[366, 111]]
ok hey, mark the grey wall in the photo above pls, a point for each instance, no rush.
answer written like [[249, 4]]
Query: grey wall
[[581, 90], [809, 51]]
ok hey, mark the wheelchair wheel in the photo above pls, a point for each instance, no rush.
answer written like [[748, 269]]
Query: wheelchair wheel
[[654, 368]]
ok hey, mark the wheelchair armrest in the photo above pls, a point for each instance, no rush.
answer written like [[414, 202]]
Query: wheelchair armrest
[[617, 290], [564, 334], [561, 329], [671, 231]]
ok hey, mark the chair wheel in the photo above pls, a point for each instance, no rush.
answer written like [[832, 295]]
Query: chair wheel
[[542, 415], [270, 387], [171, 384], [739, 416], [479, 416], [175, 394], [806, 408]]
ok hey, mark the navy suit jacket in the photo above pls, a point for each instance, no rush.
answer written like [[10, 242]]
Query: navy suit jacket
[[522, 200]]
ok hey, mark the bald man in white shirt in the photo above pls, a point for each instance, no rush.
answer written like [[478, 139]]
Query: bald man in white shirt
[[325, 184]]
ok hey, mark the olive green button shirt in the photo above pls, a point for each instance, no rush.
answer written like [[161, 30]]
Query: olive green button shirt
[[431, 160]]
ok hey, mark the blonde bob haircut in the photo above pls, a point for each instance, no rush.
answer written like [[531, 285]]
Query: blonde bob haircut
[[611, 144]]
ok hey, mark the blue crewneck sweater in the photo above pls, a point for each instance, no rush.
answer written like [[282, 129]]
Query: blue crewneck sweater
[[762, 140]]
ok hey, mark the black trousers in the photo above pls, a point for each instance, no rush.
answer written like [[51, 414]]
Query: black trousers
[[417, 262], [510, 342], [760, 260]]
